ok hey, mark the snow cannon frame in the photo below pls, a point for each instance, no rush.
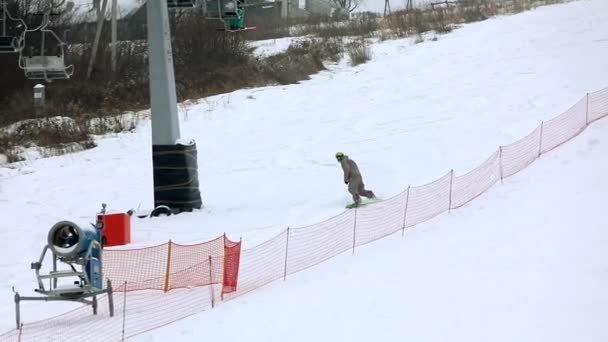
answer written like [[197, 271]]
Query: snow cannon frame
[[80, 247]]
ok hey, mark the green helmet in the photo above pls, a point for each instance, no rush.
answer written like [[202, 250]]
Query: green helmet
[[339, 155]]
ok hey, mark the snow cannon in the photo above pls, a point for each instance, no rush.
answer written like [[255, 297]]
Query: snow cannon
[[69, 241], [80, 248]]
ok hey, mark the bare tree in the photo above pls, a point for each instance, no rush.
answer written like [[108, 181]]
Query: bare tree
[[346, 5]]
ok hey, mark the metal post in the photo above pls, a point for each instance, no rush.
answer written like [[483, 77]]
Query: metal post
[[211, 283], [407, 199], [175, 183], [124, 312], [110, 297], [286, 253], [355, 228], [168, 270], [500, 163], [39, 100], [101, 17], [163, 98], [284, 9], [540, 143], [451, 184], [94, 305], [114, 34], [55, 280], [587, 111], [17, 310]]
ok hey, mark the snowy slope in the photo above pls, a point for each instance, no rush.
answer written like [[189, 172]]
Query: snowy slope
[[524, 262], [266, 154]]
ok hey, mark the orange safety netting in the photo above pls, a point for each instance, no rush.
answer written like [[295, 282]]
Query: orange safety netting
[[191, 278]]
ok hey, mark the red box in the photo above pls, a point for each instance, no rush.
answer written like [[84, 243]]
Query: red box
[[116, 229]]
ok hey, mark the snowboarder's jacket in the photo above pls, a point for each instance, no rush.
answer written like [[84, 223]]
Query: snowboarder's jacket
[[351, 171]]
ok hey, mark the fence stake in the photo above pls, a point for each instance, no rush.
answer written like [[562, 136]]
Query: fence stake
[[500, 162], [451, 185], [211, 283], [407, 199], [587, 111], [355, 229], [168, 266], [124, 312], [286, 253], [540, 143]]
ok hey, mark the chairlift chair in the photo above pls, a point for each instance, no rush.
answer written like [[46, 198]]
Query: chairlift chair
[[222, 9], [46, 68], [230, 12], [10, 43], [42, 66], [181, 3]]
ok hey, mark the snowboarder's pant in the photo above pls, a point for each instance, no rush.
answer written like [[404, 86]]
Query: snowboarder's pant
[[357, 189]]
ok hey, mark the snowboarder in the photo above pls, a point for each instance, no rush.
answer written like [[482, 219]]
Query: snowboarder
[[352, 177]]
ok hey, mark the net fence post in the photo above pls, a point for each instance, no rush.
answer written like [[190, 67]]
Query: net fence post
[[168, 269], [124, 311], [500, 163], [587, 110], [451, 189], [211, 283], [286, 254], [540, 140], [355, 229], [407, 200]]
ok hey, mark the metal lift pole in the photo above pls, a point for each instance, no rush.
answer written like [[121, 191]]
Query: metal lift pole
[[175, 169], [163, 99]]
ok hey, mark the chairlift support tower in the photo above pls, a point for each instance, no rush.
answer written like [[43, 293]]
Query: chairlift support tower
[[175, 185]]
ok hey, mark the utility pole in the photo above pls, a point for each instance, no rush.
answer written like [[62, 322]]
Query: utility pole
[[114, 34], [174, 161], [387, 7], [409, 5], [101, 17]]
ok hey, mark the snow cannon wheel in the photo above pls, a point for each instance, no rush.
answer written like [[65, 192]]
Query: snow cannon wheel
[[161, 210]]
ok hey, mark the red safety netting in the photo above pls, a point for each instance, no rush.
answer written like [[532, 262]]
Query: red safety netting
[[261, 265], [232, 260], [427, 201], [469, 186], [598, 105], [516, 156], [377, 221], [189, 266], [164, 267], [311, 245], [143, 268], [564, 127], [193, 277]]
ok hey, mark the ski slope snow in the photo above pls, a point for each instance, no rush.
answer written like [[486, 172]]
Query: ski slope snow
[[266, 154], [524, 262]]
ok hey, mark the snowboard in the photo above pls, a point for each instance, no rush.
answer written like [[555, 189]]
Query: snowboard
[[363, 202]]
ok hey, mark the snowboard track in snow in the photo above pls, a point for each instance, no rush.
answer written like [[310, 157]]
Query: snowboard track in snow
[[297, 249]]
